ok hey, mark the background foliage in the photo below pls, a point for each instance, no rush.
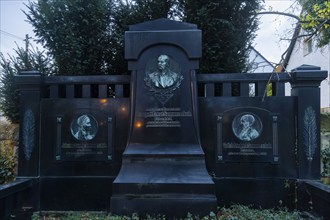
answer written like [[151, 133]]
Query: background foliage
[[325, 158], [8, 156], [7, 162], [129, 13], [228, 30], [24, 59], [315, 19], [74, 32], [86, 37]]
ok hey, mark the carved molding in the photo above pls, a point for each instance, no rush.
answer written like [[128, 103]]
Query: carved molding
[[310, 132], [28, 133]]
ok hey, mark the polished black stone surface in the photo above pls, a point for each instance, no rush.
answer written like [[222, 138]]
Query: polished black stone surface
[[64, 155], [83, 193], [164, 150], [163, 169], [250, 165]]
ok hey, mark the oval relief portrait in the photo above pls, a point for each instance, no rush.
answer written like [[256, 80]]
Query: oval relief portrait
[[247, 126], [84, 127]]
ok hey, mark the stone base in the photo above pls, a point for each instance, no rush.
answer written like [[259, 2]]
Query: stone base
[[170, 205], [170, 180]]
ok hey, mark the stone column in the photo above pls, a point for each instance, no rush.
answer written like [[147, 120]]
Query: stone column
[[29, 83], [305, 84]]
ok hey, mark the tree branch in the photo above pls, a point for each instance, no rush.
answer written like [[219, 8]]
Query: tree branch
[[279, 13]]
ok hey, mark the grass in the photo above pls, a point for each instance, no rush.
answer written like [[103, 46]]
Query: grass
[[235, 212]]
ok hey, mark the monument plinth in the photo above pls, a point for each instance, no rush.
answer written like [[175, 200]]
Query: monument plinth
[[163, 169]]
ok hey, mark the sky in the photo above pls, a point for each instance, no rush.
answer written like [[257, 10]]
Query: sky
[[275, 30], [13, 25], [272, 28]]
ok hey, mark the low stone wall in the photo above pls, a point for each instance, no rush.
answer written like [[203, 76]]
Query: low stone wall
[[14, 193], [314, 196], [13, 197]]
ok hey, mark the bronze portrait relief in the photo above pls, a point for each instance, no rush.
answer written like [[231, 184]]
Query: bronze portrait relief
[[163, 76]]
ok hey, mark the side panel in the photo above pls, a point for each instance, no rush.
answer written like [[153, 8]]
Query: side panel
[[81, 167], [255, 167]]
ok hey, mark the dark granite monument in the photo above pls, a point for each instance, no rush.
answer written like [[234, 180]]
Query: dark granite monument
[[164, 139], [163, 169]]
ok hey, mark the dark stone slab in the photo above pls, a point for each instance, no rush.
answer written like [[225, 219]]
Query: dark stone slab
[[250, 165], [28, 160], [171, 205], [75, 193], [14, 187], [163, 149], [314, 196], [252, 135], [18, 199], [305, 86], [66, 155], [162, 24], [162, 32], [163, 169], [165, 172]]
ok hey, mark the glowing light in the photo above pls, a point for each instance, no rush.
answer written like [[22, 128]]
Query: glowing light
[[138, 124], [103, 101], [123, 109]]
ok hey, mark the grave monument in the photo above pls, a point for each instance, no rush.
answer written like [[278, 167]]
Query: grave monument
[[163, 166], [163, 147]]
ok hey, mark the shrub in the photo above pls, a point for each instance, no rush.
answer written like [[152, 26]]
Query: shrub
[[8, 158], [234, 212], [246, 212], [325, 158], [8, 161]]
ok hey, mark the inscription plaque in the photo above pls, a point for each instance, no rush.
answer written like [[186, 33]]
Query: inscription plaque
[[83, 137], [247, 141], [83, 151], [165, 117]]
